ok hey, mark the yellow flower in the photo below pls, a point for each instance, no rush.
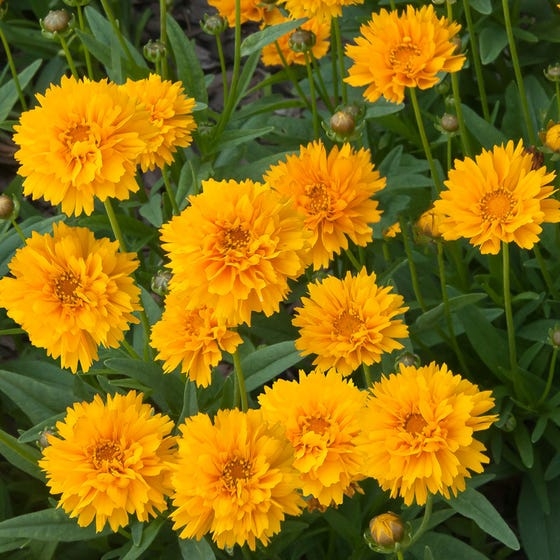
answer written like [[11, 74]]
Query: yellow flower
[[234, 478], [71, 293], [171, 114], [234, 248], [251, 10], [321, 31], [322, 416], [81, 142], [420, 427], [333, 192], [498, 197], [392, 231], [194, 338], [396, 51], [428, 224], [552, 137], [349, 322], [109, 460], [323, 9]]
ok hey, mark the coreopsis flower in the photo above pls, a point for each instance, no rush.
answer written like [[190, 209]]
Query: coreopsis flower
[[71, 293], [551, 137], [234, 479], [348, 322], [321, 414], [333, 192], [497, 197], [81, 142], [170, 112], [235, 247], [321, 31], [322, 9], [395, 51], [194, 338], [251, 10], [108, 460], [420, 426], [428, 224]]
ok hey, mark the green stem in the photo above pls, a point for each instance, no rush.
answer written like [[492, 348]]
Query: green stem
[[400, 554], [412, 265], [82, 26], [292, 77], [545, 273], [518, 74], [115, 225], [550, 377], [425, 520], [367, 375], [334, 67], [13, 69], [116, 29], [477, 61], [313, 96], [352, 258], [465, 143], [424, 139], [321, 83], [240, 381], [163, 35], [15, 330], [19, 231], [223, 67], [131, 352], [508, 308], [169, 191], [340, 56], [68, 56]]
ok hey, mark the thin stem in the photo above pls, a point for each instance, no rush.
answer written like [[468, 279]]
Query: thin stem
[[313, 96], [223, 67], [550, 377], [518, 74], [240, 381], [459, 112], [15, 330], [334, 67], [367, 375], [291, 76], [340, 56], [424, 139], [400, 554], [131, 352], [169, 191], [13, 69], [115, 225], [163, 35], [425, 520], [352, 258], [321, 83], [68, 56], [412, 266], [508, 307], [19, 231], [82, 26], [116, 29], [476, 61]]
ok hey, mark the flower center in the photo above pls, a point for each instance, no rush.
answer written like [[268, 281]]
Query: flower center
[[236, 469], [497, 205], [107, 455], [235, 238], [347, 323], [415, 423], [318, 199], [65, 289], [193, 321], [316, 424], [80, 133], [401, 57]]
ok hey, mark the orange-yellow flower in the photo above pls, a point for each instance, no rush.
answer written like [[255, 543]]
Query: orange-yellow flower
[[348, 322], [497, 197], [234, 248], [322, 416], [320, 31], [551, 137], [194, 338], [333, 192], [81, 142], [396, 51], [110, 460], [171, 114], [71, 293], [234, 479], [322, 9], [428, 224], [251, 10], [420, 426]]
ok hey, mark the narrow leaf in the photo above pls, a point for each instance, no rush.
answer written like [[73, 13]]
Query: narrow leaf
[[256, 41], [21, 455]]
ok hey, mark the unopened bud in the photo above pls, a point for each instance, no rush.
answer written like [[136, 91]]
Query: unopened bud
[[214, 24], [554, 336], [428, 225], [43, 439], [552, 137], [160, 282], [56, 22], [7, 207], [154, 51], [552, 73], [407, 359], [302, 40], [343, 123], [449, 122], [387, 532]]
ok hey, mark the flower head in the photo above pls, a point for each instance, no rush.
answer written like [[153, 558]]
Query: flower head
[[235, 248], [234, 479], [420, 426], [322, 9], [171, 114], [396, 51], [71, 293], [551, 137], [194, 338], [321, 31], [109, 460], [349, 321], [333, 192], [497, 197], [251, 10], [321, 414], [81, 142]]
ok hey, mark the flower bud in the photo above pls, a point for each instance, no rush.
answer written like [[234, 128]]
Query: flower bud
[[154, 51], [160, 282], [7, 207], [554, 336], [342, 123], [214, 24], [537, 157], [56, 22], [302, 40], [408, 359], [428, 225], [552, 137], [346, 123], [552, 73], [449, 122], [387, 532], [43, 439]]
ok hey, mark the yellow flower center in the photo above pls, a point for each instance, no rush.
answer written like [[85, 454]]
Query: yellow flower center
[[347, 323], [236, 469], [193, 322], [497, 205], [415, 423], [318, 199], [401, 56], [316, 424], [107, 455], [235, 239], [65, 287]]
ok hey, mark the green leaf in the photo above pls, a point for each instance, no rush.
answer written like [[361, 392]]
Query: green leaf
[[432, 317], [444, 546], [256, 41], [149, 533], [524, 445], [492, 41], [266, 363], [481, 6], [48, 525], [474, 505], [8, 92], [486, 134], [21, 455], [196, 550]]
